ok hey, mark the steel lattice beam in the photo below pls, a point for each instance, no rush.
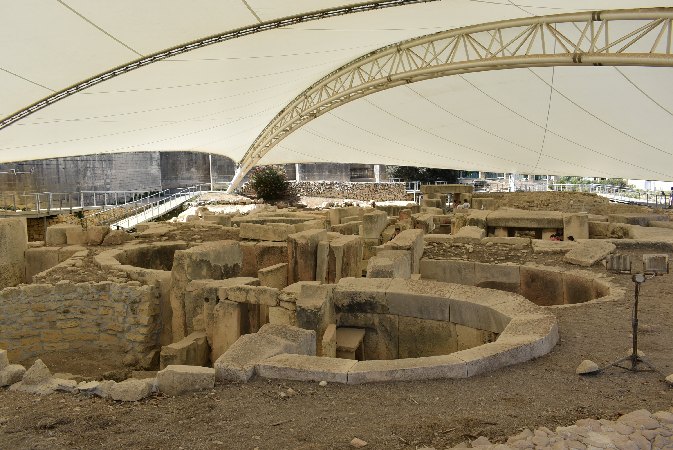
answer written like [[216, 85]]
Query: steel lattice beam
[[639, 37], [210, 40]]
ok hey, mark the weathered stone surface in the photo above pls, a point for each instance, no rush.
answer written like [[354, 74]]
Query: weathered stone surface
[[411, 240], [37, 373], [192, 350], [576, 225], [588, 252], [13, 244], [329, 341], [504, 277], [97, 388], [10, 374], [542, 287], [448, 271], [95, 234], [422, 337], [445, 366], [302, 254], [373, 224], [115, 237], [512, 218], [587, 367], [390, 264], [130, 390], [273, 276], [267, 232], [180, 379], [238, 362], [305, 368], [469, 234], [40, 259]]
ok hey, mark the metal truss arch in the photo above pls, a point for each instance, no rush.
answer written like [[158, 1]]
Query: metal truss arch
[[639, 37], [200, 43]]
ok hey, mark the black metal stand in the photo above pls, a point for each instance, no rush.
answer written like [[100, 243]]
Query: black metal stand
[[634, 358]]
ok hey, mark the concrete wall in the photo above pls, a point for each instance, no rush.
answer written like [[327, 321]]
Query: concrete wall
[[88, 316], [13, 244], [188, 168]]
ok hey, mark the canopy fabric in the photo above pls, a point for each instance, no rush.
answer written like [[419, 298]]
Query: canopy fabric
[[589, 121]]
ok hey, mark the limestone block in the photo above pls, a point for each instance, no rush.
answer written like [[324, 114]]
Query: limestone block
[[95, 234], [38, 373], [422, 337], [542, 287], [390, 264], [219, 219], [369, 248], [116, 237], [273, 276], [504, 277], [349, 228], [445, 366], [75, 235], [329, 341], [492, 356], [485, 203], [192, 350], [367, 295], [479, 308], [315, 308], [343, 258], [470, 235], [619, 231], [282, 316], [179, 379], [424, 222], [40, 259], [270, 253], [449, 271], [130, 390], [512, 218], [315, 224], [12, 373], [55, 235], [97, 388], [431, 203], [374, 223], [226, 327], [322, 255], [468, 337], [586, 253], [381, 339], [239, 361], [576, 225], [248, 259], [422, 299], [302, 254], [268, 232], [13, 244], [411, 240], [254, 295], [598, 230], [305, 368]]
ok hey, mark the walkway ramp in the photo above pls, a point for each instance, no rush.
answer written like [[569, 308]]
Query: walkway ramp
[[153, 210]]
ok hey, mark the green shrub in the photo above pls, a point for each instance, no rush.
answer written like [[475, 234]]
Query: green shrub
[[270, 184]]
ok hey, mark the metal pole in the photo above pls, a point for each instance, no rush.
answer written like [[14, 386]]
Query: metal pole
[[210, 168], [634, 325]]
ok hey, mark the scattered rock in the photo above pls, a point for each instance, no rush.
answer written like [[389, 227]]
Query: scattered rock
[[669, 379], [130, 390], [291, 392], [37, 374], [323, 383], [587, 367], [358, 443], [11, 374]]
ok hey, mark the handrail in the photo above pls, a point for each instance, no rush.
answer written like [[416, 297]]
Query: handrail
[[188, 192]]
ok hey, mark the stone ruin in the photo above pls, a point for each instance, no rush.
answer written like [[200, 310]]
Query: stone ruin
[[322, 295]]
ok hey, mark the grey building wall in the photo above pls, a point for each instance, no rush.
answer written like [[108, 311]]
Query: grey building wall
[[189, 168]]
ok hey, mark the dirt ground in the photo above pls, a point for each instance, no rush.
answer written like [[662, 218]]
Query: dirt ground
[[402, 415]]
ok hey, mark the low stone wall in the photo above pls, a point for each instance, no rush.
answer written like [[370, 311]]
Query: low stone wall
[[88, 316], [353, 191], [543, 286]]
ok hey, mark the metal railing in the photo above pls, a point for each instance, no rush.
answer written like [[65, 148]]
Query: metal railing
[[151, 210]]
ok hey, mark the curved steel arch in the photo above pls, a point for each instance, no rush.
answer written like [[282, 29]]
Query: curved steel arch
[[193, 45], [586, 39]]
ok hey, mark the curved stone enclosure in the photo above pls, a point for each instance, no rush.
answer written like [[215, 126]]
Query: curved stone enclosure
[[525, 331], [544, 286]]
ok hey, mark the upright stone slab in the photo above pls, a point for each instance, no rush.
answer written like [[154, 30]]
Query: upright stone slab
[[344, 257], [576, 225], [215, 260], [268, 232], [411, 240], [315, 308], [390, 264], [273, 276], [374, 223], [303, 253], [226, 327], [13, 244]]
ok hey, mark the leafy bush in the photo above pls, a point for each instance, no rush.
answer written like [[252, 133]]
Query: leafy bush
[[270, 184]]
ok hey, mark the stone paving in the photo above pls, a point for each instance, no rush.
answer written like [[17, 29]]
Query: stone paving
[[638, 430]]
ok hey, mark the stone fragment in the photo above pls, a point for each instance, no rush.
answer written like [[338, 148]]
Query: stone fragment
[[323, 383], [178, 379], [97, 388], [587, 367], [37, 374], [11, 374], [192, 350], [130, 390], [4, 361], [358, 443], [669, 379]]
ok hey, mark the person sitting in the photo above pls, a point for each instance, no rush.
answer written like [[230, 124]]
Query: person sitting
[[555, 237], [466, 204]]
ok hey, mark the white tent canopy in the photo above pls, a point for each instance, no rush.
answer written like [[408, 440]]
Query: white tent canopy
[[591, 121]]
